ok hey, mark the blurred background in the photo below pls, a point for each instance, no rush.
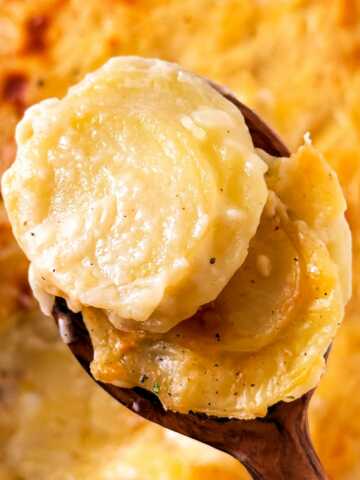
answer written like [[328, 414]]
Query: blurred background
[[297, 63]]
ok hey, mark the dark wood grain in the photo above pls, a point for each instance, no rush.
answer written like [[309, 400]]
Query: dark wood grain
[[276, 447]]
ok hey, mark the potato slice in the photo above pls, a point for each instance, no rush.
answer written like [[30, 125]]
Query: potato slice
[[310, 189], [259, 301], [137, 193], [187, 375]]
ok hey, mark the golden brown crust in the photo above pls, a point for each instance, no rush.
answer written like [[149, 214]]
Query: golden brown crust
[[244, 45]]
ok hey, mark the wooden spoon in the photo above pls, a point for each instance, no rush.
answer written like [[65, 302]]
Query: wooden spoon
[[276, 447]]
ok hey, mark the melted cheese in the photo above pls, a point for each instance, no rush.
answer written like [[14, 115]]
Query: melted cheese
[[138, 193], [292, 90], [262, 341], [137, 197]]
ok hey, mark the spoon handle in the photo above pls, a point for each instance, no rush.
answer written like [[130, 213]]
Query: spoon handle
[[279, 447]]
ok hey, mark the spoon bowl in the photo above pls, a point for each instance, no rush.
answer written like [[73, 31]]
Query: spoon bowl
[[276, 447]]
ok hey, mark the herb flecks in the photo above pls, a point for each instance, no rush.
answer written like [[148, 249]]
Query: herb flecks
[[156, 388]]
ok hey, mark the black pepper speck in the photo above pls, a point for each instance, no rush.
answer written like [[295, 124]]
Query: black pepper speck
[[143, 378]]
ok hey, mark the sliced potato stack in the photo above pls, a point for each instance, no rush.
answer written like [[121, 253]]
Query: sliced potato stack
[[264, 338], [140, 192], [141, 200]]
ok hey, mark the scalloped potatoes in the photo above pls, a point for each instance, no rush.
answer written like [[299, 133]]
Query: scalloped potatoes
[[265, 336], [140, 192], [138, 197]]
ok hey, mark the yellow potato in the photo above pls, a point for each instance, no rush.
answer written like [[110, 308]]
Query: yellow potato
[[290, 87], [189, 369], [136, 198], [258, 301], [137, 193], [310, 188]]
